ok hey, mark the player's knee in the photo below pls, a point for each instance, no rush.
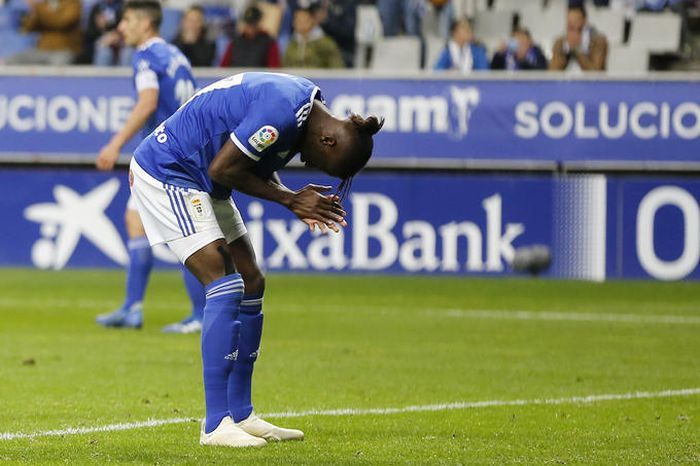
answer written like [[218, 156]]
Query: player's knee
[[254, 282]]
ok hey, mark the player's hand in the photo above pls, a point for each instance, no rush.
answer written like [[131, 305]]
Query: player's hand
[[322, 227], [315, 208], [107, 157]]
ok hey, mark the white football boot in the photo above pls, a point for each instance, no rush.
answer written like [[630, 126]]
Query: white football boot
[[228, 435], [260, 428]]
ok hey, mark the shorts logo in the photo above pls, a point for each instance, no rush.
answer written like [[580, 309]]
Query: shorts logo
[[264, 138], [198, 208]]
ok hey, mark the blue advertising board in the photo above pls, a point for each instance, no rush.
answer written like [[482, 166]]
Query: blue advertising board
[[659, 233], [596, 227], [492, 119]]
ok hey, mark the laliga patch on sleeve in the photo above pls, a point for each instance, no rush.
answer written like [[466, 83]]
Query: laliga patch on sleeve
[[264, 138]]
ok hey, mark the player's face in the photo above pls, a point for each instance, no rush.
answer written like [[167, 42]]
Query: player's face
[[133, 27], [322, 158], [303, 22]]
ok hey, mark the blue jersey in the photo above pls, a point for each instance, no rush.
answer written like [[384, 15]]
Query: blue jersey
[[159, 65], [264, 114]]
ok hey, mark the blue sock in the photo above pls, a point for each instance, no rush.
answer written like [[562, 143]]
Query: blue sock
[[195, 290], [138, 271], [219, 342], [239, 386]]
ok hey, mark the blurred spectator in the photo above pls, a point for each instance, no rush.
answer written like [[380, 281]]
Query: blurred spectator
[[582, 48], [58, 25], [338, 19], [192, 39], [461, 52], [644, 5], [310, 47], [102, 44], [438, 18], [401, 16], [251, 46], [519, 54], [408, 16]]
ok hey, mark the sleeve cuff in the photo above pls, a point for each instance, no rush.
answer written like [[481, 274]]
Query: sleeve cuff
[[243, 148], [146, 79]]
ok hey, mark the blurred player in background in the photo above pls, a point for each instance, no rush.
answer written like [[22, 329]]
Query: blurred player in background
[[163, 79], [235, 134]]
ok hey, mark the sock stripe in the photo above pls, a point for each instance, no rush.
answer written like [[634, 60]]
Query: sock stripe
[[224, 281], [238, 288], [224, 286], [224, 293], [251, 302]]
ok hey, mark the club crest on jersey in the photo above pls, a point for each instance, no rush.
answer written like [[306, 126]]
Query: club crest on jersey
[[264, 138], [198, 208]]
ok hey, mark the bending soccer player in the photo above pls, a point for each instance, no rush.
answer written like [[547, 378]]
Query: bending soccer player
[[163, 79], [234, 135]]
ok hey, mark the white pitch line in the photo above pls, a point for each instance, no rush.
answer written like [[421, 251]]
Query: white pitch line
[[567, 316], [83, 303], [588, 399], [464, 313]]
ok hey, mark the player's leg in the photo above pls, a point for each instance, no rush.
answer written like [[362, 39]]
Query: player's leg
[[193, 322], [213, 266], [193, 234], [251, 318], [138, 271], [251, 323]]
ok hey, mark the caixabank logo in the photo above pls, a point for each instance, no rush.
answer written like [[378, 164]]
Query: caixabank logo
[[383, 234], [71, 217], [74, 217]]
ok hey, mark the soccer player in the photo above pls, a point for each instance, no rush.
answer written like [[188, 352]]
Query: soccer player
[[235, 134], [163, 79]]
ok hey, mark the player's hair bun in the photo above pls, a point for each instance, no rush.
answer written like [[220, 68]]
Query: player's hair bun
[[369, 126]]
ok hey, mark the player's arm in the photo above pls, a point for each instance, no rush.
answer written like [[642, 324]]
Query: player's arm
[[313, 224], [145, 106], [233, 169]]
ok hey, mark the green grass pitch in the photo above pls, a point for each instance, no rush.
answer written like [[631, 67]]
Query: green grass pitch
[[362, 342]]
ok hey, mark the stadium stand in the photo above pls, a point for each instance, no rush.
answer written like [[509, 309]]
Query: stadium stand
[[434, 46], [658, 33], [545, 25], [368, 32], [674, 38], [627, 59], [514, 6], [609, 22], [492, 27], [397, 53]]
